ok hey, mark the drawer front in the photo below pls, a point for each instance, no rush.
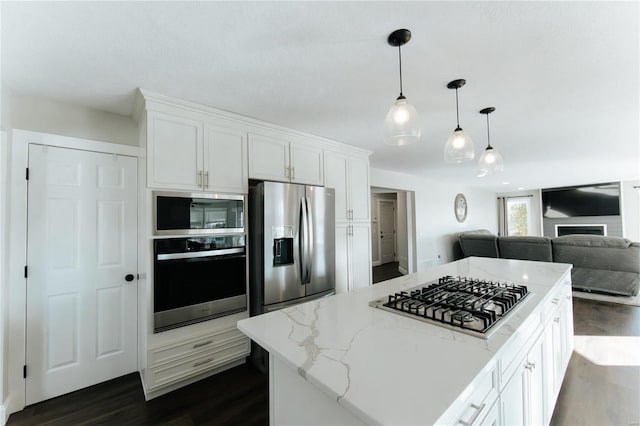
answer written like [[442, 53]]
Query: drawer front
[[199, 363], [193, 346], [475, 402], [481, 400]]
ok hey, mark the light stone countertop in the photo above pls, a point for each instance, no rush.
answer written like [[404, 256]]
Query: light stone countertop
[[386, 368]]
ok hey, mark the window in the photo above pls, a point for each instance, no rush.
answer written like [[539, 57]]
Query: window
[[518, 216]]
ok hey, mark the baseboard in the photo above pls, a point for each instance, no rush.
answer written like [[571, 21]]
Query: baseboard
[[3, 415], [376, 263], [402, 270]]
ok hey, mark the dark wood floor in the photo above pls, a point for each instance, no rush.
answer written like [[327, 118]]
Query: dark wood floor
[[591, 394], [386, 272], [238, 396]]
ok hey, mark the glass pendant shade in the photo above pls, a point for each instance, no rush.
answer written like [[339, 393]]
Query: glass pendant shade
[[490, 162], [459, 147], [401, 124]]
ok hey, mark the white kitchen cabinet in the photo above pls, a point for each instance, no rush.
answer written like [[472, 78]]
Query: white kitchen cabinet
[[278, 159], [174, 152], [349, 176], [170, 365], [225, 160], [522, 399], [190, 154], [353, 259]]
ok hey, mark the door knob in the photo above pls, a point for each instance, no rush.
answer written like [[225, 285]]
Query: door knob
[[129, 277]]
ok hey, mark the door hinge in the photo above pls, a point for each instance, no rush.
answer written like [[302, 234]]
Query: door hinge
[[24, 371], [27, 174], [25, 271]]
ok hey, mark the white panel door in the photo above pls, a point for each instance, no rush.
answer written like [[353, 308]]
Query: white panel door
[[175, 152], [81, 311], [225, 160], [387, 224]]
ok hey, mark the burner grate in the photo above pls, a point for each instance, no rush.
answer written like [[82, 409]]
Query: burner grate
[[466, 303]]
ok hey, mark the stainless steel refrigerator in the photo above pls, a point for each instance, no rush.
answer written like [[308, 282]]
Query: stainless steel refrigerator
[[292, 244]]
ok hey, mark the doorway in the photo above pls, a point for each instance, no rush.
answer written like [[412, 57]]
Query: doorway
[[81, 302], [392, 239]]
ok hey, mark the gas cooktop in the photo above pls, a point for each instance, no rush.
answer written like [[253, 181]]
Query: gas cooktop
[[470, 305]]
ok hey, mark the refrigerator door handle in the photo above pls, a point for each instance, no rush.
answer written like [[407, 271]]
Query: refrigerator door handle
[[303, 241], [309, 240]]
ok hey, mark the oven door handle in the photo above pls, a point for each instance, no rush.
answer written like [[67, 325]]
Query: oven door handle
[[196, 254]]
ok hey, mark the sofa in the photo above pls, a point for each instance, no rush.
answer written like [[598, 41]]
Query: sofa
[[601, 264]]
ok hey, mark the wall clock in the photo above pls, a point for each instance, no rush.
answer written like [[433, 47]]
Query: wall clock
[[460, 207]]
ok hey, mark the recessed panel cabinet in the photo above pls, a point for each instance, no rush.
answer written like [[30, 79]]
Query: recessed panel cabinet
[[349, 176], [174, 152], [353, 258], [192, 155], [277, 159]]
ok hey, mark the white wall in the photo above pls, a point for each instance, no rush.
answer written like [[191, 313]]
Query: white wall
[[631, 209], [44, 115], [435, 222]]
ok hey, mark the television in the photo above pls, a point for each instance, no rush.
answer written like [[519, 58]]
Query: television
[[602, 199]]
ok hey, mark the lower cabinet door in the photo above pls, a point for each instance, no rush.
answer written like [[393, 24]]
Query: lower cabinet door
[[513, 400]]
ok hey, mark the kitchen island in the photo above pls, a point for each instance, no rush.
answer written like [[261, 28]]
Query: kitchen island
[[338, 360]]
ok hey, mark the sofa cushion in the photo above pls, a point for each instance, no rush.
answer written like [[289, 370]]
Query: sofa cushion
[[479, 244], [597, 252], [605, 281], [579, 240], [525, 248]]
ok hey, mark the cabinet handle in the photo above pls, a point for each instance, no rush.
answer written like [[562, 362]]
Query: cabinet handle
[[530, 366], [206, 179], [473, 418], [199, 363], [293, 173], [201, 344], [555, 301], [199, 179], [557, 319], [287, 172]]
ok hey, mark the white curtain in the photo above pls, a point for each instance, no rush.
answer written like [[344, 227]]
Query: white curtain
[[502, 216]]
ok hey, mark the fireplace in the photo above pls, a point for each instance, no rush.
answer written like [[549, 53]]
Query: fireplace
[[568, 229]]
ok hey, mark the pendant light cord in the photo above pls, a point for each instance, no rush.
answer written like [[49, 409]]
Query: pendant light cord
[[400, 62], [457, 113], [488, 136]]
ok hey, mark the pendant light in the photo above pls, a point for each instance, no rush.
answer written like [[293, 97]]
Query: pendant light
[[459, 147], [490, 161], [401, 125]]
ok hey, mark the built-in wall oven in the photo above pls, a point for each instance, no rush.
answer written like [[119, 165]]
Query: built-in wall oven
[[200, 273]]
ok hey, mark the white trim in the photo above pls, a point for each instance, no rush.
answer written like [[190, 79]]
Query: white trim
[[17, 257], [402, 270], [570, 225], [376, 263], [3, 415]]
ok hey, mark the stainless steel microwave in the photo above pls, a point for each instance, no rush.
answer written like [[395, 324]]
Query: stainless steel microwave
[[185, 213]]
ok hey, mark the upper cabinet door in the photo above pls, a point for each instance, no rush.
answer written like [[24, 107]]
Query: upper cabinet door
[[359, 188], [225, 160], [335, 176], [268, 158], [174, 149], [306, 164]]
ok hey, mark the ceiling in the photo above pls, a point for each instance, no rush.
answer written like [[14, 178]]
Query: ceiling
[[563, 76]]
